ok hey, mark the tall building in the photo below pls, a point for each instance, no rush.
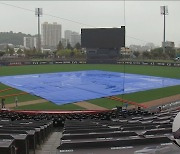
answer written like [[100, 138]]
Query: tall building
[[30, 42], [51, 34], [67, 35], [64, 42], [75, 38], [72, 37]]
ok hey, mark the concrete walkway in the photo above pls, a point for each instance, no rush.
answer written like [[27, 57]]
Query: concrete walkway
[[50, 146]]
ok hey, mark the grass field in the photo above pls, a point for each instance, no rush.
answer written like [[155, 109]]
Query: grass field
[[171, 72]]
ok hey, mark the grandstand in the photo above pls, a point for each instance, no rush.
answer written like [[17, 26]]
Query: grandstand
[[111, 131], [94, 99]]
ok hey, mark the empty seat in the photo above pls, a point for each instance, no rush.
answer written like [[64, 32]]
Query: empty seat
[[98, 135], [65, 145], [158, 131]]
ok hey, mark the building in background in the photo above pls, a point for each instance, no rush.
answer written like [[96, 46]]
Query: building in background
[[67, 36], [142, 48], [30, 42], [75, 38], [64, 42], [126, 52], [72, 38], [51, 35], [169, 44]]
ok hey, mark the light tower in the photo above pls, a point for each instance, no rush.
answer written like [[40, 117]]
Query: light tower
[[38, 13], [164, 12]]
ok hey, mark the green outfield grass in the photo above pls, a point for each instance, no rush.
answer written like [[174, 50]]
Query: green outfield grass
[[171, 72]]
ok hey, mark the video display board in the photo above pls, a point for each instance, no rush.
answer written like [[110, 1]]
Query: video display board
[[103, 37]]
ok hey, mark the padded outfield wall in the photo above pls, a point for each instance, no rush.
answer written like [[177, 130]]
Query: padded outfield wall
[[17, 63]]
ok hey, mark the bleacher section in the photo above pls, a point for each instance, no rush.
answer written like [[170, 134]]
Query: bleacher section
[[121, 131], [22, 134], [128, 132]]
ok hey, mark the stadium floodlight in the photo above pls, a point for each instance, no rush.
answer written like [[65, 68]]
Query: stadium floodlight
[[38, 13], [164, 12]]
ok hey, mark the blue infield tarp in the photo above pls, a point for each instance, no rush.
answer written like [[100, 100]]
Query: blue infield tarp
[[67, 87]]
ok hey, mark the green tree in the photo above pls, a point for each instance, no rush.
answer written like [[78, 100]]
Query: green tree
[[157, 53], [19, 52], [72, 54], [178, 52], [26, 52], [147, 55], [9, 50], [60, 46], [2, 53], [77, 46], [136, 53], [69, 46], [171, 52], [13, 38], [55, 53], [64, 53], [78, 53], [34, 51]]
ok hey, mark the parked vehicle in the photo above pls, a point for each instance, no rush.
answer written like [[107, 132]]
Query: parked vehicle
[[177, 59]]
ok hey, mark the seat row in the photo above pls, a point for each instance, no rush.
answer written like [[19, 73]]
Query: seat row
[[133, 133], [23, 136]]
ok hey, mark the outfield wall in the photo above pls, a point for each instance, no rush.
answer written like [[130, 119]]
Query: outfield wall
[[84, 62], [149, 63]]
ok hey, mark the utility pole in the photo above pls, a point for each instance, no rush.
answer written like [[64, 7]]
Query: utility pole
[[164, 12], [38, 13]]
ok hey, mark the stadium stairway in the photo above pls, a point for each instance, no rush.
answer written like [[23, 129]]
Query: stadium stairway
[[51, 144]]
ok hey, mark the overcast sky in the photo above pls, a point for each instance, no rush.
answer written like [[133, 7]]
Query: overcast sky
[[142, 18]]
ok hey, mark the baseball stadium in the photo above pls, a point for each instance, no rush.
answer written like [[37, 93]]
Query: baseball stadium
[[98, 97]]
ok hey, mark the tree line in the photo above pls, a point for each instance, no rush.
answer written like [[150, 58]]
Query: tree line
[[12, 38], [69, 51], [60, 52], [158, 53], [77, 52]]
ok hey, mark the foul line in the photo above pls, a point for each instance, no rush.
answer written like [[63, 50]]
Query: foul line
[[23, 93], [5, 89], [126, 101]]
